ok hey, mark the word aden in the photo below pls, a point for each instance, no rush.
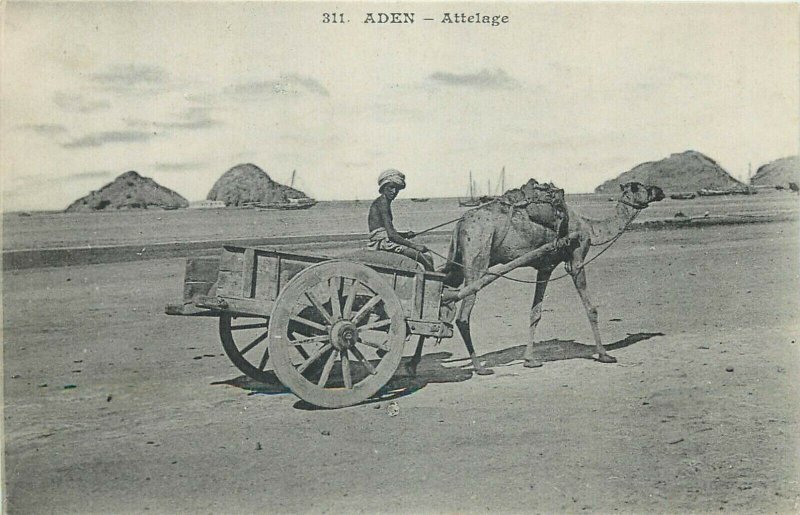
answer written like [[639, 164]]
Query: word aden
[[477, 18]]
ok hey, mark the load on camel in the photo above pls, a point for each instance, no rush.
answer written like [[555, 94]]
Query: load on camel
[[509, 230]]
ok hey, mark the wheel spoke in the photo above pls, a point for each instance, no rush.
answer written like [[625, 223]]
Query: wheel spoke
[[335, 284], [365, 309], [348, 381], [326, 370], [351, 296], [309, 323], [264, 359], [364, 361], [376, 325], [314, 357], [313, 339], [379, 346], [249, 326], [317, 304], [254, 343]]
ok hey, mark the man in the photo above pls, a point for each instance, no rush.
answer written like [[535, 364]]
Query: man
[[383, 235]]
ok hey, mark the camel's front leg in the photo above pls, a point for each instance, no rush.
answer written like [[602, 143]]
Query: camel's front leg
[[579, 279], [536, 314]]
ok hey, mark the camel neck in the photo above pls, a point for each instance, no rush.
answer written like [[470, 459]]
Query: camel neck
[[603, 230]]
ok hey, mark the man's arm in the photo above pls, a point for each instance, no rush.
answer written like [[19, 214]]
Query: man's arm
[[383, 210]]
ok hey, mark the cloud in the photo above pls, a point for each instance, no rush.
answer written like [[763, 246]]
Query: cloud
[[311, 85], [177, 167], [45, 129], [132, 78], [78, 103], [98, 139], [484, 79], [191, 119], [285, 85]]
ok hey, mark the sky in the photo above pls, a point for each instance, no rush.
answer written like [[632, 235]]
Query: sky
[[574, 93]]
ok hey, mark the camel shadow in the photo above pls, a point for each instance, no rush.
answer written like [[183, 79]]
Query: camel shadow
[[440, 367], [555, 350]]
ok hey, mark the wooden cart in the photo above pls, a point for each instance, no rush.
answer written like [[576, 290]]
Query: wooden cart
[[332, 329]]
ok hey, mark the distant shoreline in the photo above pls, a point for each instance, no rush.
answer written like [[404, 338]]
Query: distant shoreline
[[88, 255]]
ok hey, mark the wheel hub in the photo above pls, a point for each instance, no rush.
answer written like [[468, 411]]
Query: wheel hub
[[344, 334]]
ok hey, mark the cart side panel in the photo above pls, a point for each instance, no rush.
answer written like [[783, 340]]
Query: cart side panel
[[253, 273], [200, 277], [419, 292], [432, 297]]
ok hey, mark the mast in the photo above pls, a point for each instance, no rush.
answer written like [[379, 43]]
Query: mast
[[291, 184], [471, 189]]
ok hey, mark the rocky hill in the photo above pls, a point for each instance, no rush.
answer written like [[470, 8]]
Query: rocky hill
[[684, 172], [129, 191], [246, 184], [778, 173]]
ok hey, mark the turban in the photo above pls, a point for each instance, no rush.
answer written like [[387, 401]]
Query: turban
[[392, 177]]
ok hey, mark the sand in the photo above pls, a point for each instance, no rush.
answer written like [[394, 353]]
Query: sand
[[112, 406]]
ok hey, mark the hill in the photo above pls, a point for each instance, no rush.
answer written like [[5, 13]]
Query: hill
[[687, 171], [778, 173], [247, 183], [129, 191]]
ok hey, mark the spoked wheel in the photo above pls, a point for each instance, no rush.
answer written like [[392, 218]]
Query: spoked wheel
[[245, 342], [351, 326]]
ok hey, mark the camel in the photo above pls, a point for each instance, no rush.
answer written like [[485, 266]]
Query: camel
[[524, 220]]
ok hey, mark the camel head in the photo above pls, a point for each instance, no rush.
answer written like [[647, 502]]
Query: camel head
[[639, 196]]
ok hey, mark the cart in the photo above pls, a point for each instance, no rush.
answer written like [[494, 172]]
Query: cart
[[333, 330]]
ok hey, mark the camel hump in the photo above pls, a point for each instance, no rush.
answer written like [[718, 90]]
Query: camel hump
[[544, 203]]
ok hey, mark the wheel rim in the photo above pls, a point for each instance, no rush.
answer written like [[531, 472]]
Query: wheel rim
[[246, 344], [351, 326]]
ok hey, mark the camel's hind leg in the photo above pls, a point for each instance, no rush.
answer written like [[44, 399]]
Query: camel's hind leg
[[462, 322], [536, 314], [471, 273], [579, 278]]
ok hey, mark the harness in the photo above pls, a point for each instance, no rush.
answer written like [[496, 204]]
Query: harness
[[542, 194]]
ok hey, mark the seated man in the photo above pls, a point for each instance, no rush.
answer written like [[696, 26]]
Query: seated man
[[382, 235]]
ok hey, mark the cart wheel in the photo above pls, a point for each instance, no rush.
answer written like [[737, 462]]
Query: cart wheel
[[245, 342], [340, 314]]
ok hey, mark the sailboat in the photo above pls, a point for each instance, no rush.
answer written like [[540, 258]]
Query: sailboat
[[501, 188], [472, 201], [289, 202]]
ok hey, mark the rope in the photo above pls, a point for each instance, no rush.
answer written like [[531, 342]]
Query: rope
[[453, 220], [504, 276]]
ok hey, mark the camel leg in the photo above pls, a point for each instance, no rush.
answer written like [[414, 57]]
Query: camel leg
[[579, 279], [411, 367], [462, 322], [542, 277]]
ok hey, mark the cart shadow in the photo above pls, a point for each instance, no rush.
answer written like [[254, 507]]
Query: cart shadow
[[440, 367]]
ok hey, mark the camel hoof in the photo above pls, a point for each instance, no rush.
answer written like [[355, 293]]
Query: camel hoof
[[533, 363], [483, 371], [605, 358]]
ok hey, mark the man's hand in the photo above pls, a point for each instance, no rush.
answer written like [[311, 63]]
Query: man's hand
[[408, 234], [421, 248]]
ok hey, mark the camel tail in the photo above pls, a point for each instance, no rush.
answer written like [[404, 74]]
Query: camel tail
[[454, 266]]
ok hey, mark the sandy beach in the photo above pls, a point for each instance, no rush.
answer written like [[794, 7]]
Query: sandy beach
[[112, 406]]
